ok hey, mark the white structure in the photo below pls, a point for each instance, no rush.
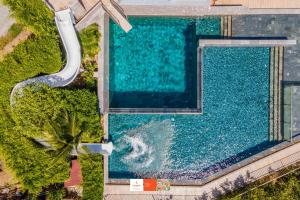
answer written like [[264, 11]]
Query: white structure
[[64, 21], [104, 148]]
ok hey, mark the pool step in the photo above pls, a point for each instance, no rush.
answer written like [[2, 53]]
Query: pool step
[[276, 75], [226, 26]]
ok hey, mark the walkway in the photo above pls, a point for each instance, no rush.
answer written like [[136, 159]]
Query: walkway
[[245, 174], [10, 46], [116, 14], [64, 23]]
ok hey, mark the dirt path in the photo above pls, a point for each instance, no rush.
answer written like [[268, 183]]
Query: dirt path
[[10, 46]]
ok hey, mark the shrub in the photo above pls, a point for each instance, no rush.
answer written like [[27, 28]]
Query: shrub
[[91, 167], [32, 165], [89, 38]]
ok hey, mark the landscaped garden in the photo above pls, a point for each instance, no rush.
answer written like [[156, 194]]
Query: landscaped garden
[[61, 116], [282, 185]]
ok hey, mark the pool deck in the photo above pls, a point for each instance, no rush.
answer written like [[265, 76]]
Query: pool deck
[[198, 10], [245, 174], [116, 13]]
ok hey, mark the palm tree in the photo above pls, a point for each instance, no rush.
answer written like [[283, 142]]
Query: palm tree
[[62, 136]]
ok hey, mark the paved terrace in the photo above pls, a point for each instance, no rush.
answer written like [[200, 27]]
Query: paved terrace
[[261, 3], [245, 174], [166, 9]]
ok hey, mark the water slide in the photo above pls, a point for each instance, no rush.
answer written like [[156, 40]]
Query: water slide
[[64, 21]]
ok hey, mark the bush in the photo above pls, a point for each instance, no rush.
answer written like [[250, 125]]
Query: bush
[[89, 38], [32, 165], [287, 187], [56, 194], [40, 105], [33, 14], [90, 46], [91, 167]]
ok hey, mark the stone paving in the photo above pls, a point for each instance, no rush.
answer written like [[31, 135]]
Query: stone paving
[[273, 26], [245, 174]]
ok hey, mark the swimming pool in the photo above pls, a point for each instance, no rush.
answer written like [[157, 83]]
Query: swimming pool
[[233, 126], [155, 64]]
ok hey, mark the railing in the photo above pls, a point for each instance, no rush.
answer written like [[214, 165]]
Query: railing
[[226, 186], [259, 174]]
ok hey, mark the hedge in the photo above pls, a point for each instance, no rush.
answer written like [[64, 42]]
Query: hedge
[[92, 172]]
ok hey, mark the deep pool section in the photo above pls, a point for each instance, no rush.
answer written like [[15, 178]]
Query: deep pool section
[[155, 64], [234, 124]]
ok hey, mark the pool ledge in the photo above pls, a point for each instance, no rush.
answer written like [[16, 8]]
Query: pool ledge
[[246, 42]]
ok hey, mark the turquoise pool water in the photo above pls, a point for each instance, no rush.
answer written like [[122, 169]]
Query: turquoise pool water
[[155, 64], [233, 126]]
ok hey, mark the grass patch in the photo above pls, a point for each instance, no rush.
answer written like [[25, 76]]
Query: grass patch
[[13, 32]]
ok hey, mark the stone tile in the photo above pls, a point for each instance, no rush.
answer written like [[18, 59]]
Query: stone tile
[[273, 26]]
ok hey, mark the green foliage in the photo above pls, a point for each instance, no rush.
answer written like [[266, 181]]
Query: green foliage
[[55, 194], [41, 53], [45, 109], [13, 31], [33, 14], [88, 74], [91, 166], [90, 46], [32, 165], [90, 41], [285, 188]]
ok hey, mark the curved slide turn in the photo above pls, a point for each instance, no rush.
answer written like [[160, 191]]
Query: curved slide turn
[[64, 22]]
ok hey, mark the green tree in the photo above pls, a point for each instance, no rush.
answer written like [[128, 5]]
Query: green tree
[[69, 115]]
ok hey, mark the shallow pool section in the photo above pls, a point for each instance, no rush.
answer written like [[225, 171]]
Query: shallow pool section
[[234, 124], [155, 64]]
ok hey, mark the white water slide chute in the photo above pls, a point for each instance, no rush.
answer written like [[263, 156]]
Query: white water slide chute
[[65, 23]]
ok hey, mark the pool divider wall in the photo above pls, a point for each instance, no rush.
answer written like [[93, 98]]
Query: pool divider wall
[[237, 42], [104, 101]]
